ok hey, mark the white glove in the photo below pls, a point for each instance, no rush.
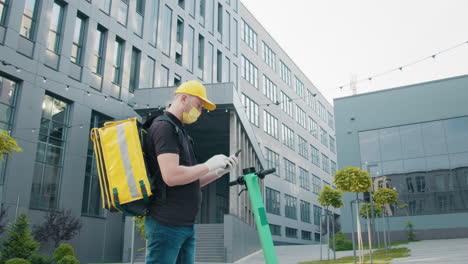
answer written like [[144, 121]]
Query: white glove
[[217, 162], [232, 164]]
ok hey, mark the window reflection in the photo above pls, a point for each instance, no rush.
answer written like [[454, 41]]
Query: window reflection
[[426, 163]]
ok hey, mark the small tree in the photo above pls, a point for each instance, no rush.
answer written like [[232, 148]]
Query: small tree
[[410, 231], [7, 144], [329, 197], [354, 180], [384, 196], [59, 225], [20, 243], [374, 210], [3, 215]]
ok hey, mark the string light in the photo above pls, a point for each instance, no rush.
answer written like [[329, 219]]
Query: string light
[[44, 79], [67, 87]]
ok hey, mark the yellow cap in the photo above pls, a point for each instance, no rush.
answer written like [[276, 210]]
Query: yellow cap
[[196, 89]]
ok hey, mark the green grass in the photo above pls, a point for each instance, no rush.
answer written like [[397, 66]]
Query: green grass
[[378, 256]]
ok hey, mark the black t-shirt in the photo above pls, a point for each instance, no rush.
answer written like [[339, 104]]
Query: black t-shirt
[[182, 203]]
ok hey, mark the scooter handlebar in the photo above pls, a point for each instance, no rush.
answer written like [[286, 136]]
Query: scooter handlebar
[[263, 173]]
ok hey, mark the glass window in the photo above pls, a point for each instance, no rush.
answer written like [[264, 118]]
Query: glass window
[[8, 92], [303, 147], [332, 144], [209, 63], [291, 232], [287, 136], [456, 130], [248, 35], [286, 104], [299, 86], [50, 153], [92, 205], [306, 235], [301, 117], [201, 52], [219, 66], [325, 163], [220, 19], [323, 137], [270, 124], [188, 48], [434, 138], [28, 23], [317, 215], [304, 178], [227, 29], [104, 5], [285, 73], [234, 36], [390, 144], [275, 230], [122, 15], [139, 18], [149, 73], [305, 211], [272, 159], [269, 89], [310, 99], [333, 167], [153, 21], [202, 11], [226, 69], [163, 76], [135, 70], [164, 39], [249, 71], [322, 112], [290, 171], [210, 16], [118, 60], [55, 29], [78, 39], [98, 59], [3, 11], [316, 184], [315, 154], [290, 209], [251, 109], [272, 201], [191, 7], [331, 121], [369, 146], [313, 127], [269, 57]]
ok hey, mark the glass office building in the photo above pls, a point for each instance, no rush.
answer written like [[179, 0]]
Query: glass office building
[[415, 141], [426, 163]]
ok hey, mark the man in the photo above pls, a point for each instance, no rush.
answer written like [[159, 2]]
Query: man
[[170, 226]]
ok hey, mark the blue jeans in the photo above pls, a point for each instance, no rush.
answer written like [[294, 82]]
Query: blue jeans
[[169, 244]]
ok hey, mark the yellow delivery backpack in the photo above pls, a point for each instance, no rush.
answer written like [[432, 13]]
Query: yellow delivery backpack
[[121, 168]]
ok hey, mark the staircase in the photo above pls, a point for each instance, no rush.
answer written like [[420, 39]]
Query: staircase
[[210, 243]]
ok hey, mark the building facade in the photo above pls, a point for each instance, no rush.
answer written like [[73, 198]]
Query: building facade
[[67, 66], [414, 141], [294, 125]]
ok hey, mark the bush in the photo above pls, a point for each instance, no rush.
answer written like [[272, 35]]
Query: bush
[[20, 243], [17, 261], [39, 259], [62, 251], [68, 260], [341, 243]]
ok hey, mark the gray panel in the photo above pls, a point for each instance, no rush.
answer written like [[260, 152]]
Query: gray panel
[[51, 59], [25, 46]]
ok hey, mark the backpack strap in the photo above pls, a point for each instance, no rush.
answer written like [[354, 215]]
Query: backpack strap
[[179, 133]]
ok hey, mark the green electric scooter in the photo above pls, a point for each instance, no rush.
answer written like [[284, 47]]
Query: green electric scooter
[[250, 180]]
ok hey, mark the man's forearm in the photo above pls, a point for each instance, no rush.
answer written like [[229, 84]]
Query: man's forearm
[[208, 178]]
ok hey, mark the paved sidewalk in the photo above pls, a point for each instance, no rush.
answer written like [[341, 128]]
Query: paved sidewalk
[[452, 251], [294, 254]]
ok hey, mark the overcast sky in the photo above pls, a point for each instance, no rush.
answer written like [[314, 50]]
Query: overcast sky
[[332, 39]]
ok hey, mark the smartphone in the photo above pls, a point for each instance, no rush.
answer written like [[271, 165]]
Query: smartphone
[[235, 154], [238, 152]]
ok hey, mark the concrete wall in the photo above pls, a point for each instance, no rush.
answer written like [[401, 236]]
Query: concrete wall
[[240, 239], [440, 99]]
